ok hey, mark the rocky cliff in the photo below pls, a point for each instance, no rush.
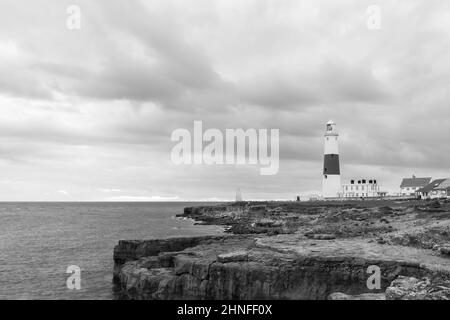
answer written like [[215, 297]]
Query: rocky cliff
[[316, 252]]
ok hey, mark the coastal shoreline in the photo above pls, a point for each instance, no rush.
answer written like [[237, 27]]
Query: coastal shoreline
[[293, 250]]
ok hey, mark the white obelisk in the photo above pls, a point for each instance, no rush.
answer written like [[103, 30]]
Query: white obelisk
[[238, 195], [331, 185]]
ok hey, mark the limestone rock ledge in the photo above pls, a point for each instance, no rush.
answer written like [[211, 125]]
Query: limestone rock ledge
[[131, 250], [270, 267], [363, 296]]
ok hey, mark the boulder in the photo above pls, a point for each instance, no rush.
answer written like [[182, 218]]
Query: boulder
[[410, 288], [445, 249]]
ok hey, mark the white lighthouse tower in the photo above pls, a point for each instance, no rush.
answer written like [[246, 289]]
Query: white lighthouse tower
[[331, 185]]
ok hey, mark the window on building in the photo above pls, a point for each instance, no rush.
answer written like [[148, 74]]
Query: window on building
[[364, 181]]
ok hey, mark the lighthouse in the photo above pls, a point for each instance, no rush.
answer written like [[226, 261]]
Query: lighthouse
[[331, 184]]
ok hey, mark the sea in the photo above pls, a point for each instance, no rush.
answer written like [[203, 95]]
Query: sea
[[39, 241]]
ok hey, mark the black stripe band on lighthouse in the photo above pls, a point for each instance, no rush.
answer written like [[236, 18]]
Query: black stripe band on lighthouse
[[331, 183]]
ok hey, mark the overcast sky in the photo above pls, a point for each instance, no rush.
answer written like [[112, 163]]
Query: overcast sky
[[87, 114]]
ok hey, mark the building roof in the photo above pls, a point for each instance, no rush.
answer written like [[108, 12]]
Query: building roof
[[431, 186], [415, 182], [444, 185]]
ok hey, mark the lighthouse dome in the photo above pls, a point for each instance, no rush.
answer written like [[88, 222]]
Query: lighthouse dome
[[331, 129]]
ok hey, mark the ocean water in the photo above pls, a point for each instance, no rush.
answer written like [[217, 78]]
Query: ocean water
[[38, 241]]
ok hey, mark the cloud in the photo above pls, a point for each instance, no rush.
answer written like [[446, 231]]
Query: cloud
[[108, 190], [96, 107], [142, 199]]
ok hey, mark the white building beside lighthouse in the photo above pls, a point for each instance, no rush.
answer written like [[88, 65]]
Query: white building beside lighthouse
[[331, 183], [362, 188]]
